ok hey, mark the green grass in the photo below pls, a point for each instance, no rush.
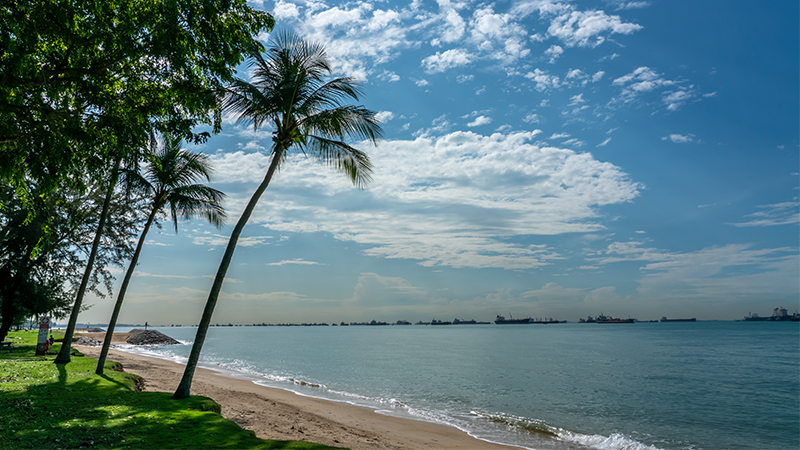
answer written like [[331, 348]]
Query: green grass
[[44, 405]]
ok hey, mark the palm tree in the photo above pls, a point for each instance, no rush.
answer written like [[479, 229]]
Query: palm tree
[[309, 115], [168, 180]]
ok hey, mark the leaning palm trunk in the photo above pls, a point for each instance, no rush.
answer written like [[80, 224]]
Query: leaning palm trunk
[[63, 355], [308, 113], [112, 323], [185, 386]]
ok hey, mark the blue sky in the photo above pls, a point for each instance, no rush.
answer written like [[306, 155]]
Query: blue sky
[[542, 158]]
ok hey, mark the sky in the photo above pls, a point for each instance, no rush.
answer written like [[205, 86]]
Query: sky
[[541, 158]]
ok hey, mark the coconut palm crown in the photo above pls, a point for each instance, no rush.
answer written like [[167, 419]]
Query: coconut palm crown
[[289, 93], [168, 180]]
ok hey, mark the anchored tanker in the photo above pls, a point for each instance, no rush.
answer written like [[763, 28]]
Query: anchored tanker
[[500, 320]]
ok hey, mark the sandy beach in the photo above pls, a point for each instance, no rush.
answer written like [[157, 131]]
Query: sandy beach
[[278, 414]]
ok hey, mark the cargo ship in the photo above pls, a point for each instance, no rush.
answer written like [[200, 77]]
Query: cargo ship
[[603, 319], [664, 319], [778, 315], [500, 320]]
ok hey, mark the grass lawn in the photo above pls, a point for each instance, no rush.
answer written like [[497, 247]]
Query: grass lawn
[[44, 405]]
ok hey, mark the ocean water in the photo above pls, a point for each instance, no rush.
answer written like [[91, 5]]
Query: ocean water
[[692, 386]]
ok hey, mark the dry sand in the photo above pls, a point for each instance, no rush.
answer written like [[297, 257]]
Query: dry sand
[[278, 414]]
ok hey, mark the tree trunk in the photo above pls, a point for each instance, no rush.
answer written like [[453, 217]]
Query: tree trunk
[[63, 355], [185, 385], [9, 311], [121, 295]]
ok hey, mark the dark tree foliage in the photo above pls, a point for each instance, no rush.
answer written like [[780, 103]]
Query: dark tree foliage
[[42, 254], [87, 82], [83, 77]]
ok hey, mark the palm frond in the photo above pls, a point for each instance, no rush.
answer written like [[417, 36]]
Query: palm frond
[[309, 113], [197, 200], [353, 122], [344, 158]]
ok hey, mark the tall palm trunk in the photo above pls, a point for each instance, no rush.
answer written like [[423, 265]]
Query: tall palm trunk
[[121, 295], [63, 355], [184, 387]]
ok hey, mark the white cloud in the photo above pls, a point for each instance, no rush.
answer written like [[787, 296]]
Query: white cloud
[[543, 81], [217, 240], [297, 261], [441, 62], [554, 52], [389, 76], [531, 118], [711, 273], [384, 116], [576, 100], [285, 10], [641, 81], [678, 138], [376, 290], [552, 292], [676, 99], [480, 120], [624, 4], [574, 73], [786, 213], [604, 143], [559, 136], [444, 200], [464, 78], [587, 28]]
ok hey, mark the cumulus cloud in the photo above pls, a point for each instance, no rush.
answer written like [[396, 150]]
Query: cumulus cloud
[[443, 201], [544, 82], [480, 120], [588, 28], [553, 53], [441, 62], [384, 116]]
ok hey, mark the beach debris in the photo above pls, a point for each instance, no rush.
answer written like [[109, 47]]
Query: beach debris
[[150, 337]]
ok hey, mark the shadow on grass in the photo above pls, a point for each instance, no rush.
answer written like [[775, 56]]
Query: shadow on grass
[[46, 405]]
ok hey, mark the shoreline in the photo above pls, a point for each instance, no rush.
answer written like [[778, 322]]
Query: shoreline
[[274, 413]]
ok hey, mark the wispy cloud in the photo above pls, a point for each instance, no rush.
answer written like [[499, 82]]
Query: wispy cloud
[[786, 213], [679, 138], [297, 262]]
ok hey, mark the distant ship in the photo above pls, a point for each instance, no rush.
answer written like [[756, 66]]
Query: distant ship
[[664, 319], [500, 320], [778, 315], [457, 321], [439, 322], [603, 319], [589, 319], [546, 321]]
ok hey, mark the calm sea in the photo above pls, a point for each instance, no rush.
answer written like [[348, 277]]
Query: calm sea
[[701, 385]]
